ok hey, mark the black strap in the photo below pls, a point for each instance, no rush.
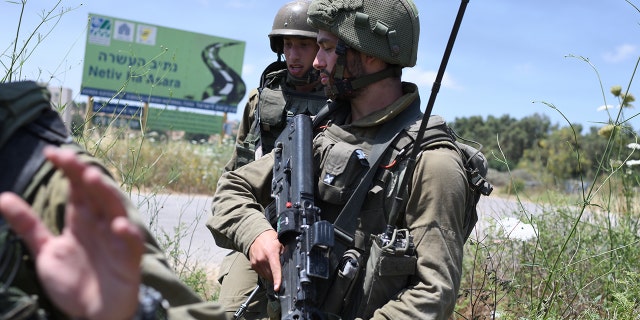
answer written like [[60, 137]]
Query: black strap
[[345, 224], [328, 109]]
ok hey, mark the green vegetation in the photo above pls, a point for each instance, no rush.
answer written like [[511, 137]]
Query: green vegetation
[[576, 188], [580, 261]]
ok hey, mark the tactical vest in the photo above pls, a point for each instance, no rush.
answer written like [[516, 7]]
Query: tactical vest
[[344, 161], [343, 164], [277, 103], [437, 135]]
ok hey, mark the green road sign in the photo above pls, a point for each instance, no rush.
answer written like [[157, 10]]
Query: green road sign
[[141, 62], [166, 119]]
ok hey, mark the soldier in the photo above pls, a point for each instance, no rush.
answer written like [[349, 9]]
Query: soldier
[[363, 47], [69, 210], [287, 88]]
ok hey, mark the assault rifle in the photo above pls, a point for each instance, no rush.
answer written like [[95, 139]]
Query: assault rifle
[[307, 240]]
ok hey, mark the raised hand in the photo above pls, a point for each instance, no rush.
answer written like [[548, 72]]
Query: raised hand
[[92, 269]]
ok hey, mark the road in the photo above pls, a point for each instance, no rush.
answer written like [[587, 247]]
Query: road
[[181, 219]]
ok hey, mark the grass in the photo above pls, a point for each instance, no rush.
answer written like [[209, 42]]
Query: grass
[[582, 262], [160, 167], [144, 163]]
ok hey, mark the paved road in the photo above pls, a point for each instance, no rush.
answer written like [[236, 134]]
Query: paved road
[[186, 216], [181, 220], [508, 214]]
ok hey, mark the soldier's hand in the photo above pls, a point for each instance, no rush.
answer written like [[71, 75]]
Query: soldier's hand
[[91, 270], [264, 255]]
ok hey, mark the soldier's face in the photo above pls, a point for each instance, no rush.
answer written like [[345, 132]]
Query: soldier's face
[[326, 57], [299, 54]]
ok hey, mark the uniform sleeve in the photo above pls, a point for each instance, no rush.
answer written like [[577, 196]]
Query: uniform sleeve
[[435, 217], [238, 205], [199, 311], [248, 116], [50, 201]]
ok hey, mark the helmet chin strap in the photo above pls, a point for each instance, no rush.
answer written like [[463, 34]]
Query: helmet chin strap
[[344, 87]]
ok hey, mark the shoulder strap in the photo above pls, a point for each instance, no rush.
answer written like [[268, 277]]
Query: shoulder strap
[[345, 224]]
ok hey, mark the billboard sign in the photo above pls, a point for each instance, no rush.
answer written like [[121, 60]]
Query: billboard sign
[[137, 61], [117, 109], [166, 119]]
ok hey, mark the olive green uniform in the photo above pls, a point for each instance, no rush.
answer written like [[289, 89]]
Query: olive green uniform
[[434, 212], [28, 125], [265, 115], [49, 199]]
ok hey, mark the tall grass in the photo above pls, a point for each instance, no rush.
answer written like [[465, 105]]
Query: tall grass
[[582, 261], [157, 168], [144, 162]]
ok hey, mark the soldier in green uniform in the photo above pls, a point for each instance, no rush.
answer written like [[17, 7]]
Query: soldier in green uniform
[[363, 47], [63, 193], [286, 88]]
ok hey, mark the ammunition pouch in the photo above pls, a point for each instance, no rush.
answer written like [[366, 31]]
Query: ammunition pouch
[[342, 169], [347, 275], [246, 151], [391, 263]]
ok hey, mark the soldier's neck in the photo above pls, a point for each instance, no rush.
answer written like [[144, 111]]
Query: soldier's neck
[[375, 96]]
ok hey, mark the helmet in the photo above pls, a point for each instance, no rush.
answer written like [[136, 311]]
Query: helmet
[[385, 29], [291, 20]]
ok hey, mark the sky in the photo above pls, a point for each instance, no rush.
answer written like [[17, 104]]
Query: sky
[[511, 57]]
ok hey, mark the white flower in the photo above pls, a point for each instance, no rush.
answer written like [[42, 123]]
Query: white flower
[[631, 163], [634, 145], [513, 228]]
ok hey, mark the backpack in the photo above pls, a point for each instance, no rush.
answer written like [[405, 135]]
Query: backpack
[[476, 166], [439, 134]]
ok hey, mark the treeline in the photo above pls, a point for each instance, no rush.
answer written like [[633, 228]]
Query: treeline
[[535, 144]]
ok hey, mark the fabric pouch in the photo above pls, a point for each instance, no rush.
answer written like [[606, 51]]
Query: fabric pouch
[[387, 273], [344, 165]]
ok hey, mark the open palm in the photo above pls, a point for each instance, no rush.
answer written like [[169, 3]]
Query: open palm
[[91, 270]]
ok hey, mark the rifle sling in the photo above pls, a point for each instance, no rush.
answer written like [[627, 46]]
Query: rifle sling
[[345, 224]]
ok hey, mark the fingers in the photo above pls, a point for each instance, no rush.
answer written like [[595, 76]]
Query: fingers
[[276, 271], [87, 182], [67, 161], [95, 198], [264, 254], [24, 222], [107, 197], [132, 236]]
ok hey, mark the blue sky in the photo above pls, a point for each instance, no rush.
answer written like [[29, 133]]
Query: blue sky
[[510, 55]]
